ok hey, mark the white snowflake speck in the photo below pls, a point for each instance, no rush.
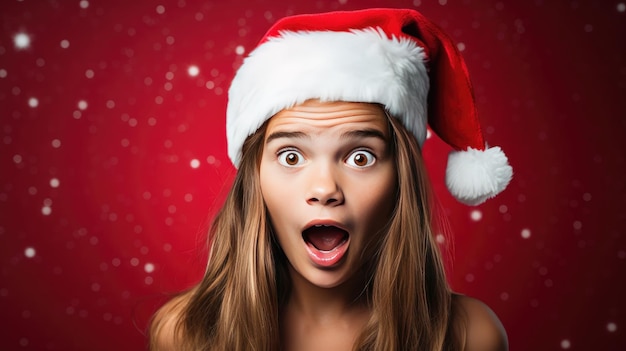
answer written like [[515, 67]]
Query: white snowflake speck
[[3, 73], [64, 44], [56, 143], [193, 70], [148, 267], [33, 102], [46, 210], [89, 73], [30, 252], [240, 50], [188, 197], [21, 41], [460, 46], [525, 233], [565, 344], [84, 4], [17, 158], [621, 7], [611, 327], [82, 105], [476, 215], [440, 238], [171, 209], [160, 9], [54, 183], [195, 163]]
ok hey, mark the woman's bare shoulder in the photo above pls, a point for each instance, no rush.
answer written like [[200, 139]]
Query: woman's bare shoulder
[[166, 329], [482, 329]]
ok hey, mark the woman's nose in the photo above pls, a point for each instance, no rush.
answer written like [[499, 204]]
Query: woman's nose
[[324, 188]]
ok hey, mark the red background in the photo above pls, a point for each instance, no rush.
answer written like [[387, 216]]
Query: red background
[[84, 262]]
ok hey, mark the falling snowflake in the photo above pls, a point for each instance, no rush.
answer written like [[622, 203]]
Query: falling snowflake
[[21, 41]]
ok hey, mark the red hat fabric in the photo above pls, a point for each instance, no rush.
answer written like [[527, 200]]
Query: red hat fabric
[[395, 57]]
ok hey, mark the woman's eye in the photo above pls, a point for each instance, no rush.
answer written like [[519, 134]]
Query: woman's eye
[[290, 158], [361, 158]]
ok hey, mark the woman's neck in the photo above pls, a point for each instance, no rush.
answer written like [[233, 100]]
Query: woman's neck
[[315, 318], [319, 303]]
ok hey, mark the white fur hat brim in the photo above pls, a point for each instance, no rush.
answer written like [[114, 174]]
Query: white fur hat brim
[[357, 66]]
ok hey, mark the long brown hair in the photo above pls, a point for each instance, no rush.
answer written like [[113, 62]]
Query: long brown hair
[[237, 304], [411, 300]]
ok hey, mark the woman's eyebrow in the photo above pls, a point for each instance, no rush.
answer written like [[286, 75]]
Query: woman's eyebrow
[[365, 133], [291, 135]]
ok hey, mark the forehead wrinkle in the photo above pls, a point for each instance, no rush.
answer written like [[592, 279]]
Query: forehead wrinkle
[[351, 120]]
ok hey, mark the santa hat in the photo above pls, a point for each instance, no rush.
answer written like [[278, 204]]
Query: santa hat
[[394, 57]]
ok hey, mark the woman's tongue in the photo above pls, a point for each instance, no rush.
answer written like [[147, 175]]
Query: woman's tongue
[[325, 238]]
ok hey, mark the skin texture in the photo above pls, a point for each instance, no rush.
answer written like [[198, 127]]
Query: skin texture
[[341, 172]]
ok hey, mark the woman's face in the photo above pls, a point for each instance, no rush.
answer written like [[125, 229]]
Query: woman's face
[[328, 179]]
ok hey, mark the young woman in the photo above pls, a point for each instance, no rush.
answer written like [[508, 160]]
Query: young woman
[[325, 240]]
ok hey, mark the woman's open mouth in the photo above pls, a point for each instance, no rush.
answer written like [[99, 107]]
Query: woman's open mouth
[[326, 244]]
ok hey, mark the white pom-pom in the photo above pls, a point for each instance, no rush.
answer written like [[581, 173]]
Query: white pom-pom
[[473, 176]]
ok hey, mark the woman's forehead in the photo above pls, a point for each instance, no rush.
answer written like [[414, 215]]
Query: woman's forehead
[[323, 115]]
